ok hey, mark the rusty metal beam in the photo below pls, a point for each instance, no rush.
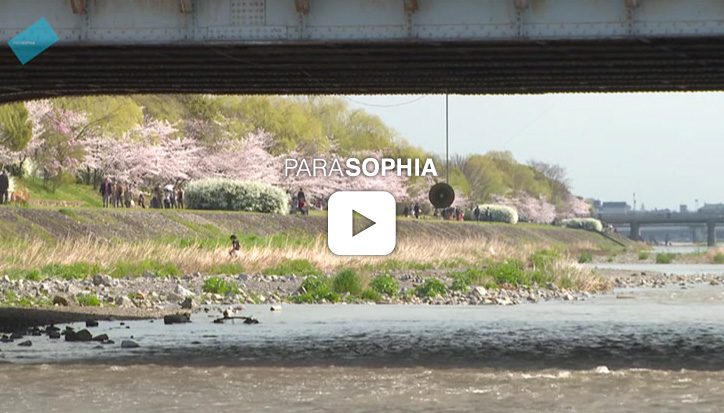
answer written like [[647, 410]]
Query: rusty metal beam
[[411, 5], [78, 6], [302, 6]]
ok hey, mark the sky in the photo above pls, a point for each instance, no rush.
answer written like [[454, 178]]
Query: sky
[[666, 148]]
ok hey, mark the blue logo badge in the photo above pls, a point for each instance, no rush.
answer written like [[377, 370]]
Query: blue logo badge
[[33, 40]]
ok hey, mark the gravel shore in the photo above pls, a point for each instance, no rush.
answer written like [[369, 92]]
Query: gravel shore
[[153, 297]]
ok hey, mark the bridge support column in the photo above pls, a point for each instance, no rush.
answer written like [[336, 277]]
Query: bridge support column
[[711, 234], [697, 234], [635, 231]]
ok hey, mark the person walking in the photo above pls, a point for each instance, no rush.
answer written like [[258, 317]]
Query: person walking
[[106, 192], [302, 200], [235, 247], [476, 213], [417, 210], [180, 198]]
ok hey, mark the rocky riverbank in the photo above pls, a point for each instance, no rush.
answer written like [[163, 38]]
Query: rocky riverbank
[[102, 294]]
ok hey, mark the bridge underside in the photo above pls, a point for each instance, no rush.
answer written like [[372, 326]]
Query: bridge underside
[[503, 67]]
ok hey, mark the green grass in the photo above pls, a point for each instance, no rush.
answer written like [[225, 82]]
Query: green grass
[[230, 268], [76, 270], [297, 267], [386, 285], [315, 289], [88, 300], [370, 295], [665, 258], [347, 281], [718, 258], [643, 255], [431, 288], [216, 285], [135, 269], [544, 258], [585, 257], [67, 192]]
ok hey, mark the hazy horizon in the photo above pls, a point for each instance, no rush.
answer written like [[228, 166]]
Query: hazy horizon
[[661, 146]]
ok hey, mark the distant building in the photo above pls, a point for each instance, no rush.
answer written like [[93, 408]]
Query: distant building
[[712, 209], [614, 208], [683, 209]]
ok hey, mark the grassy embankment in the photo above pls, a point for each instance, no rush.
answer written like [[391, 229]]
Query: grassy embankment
[[73, 242]]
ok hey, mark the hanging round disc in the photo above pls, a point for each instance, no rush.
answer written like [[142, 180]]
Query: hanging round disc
[[441, 195]]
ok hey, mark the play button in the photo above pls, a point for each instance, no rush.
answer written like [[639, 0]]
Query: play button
[[361, 223]]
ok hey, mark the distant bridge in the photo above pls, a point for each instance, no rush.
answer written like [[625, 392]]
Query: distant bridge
[[636, 220], [365, 46]]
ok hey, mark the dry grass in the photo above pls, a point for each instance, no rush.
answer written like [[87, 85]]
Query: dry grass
[[409, 252]]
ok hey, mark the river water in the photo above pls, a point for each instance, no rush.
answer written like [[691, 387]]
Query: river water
[[662, 350]]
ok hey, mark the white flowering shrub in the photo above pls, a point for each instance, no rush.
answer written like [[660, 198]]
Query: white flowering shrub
[[589, 224], [499, 213], [233, 195]]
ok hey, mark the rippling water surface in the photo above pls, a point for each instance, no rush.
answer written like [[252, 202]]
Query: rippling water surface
[[663, 351]]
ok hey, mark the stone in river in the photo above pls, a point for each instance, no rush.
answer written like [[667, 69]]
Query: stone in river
[[17, 335], [177, 318], [91, 323], [129, 344], [82, 335], [101, 337], [6, 339], [26, 343], [53, 334]]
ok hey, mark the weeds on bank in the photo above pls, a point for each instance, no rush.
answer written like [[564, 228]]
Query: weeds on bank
[[718, 258], [11, 299], [385, 285], [585, 257], [481, 260], [298, 267], [665, 258], [88, 300], [216, 285], [643, 255], [543, 267]]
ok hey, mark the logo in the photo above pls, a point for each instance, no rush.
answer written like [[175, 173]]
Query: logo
[[361, 223], [33, 40]]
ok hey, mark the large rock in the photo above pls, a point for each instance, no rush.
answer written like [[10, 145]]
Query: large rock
[[61, 301], [129, 344], [123, 301], [180, 318], [101, 337], [183, 291], [102, 279], [188, 304], [82, 335], [174, 298], [26, 343], [480, 292]]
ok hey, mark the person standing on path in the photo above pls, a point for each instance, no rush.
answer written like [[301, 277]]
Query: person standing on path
[[106, 192], [4, 187]]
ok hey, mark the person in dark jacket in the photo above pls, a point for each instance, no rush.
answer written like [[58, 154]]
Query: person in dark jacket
[[4, 187], [106, 192]]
